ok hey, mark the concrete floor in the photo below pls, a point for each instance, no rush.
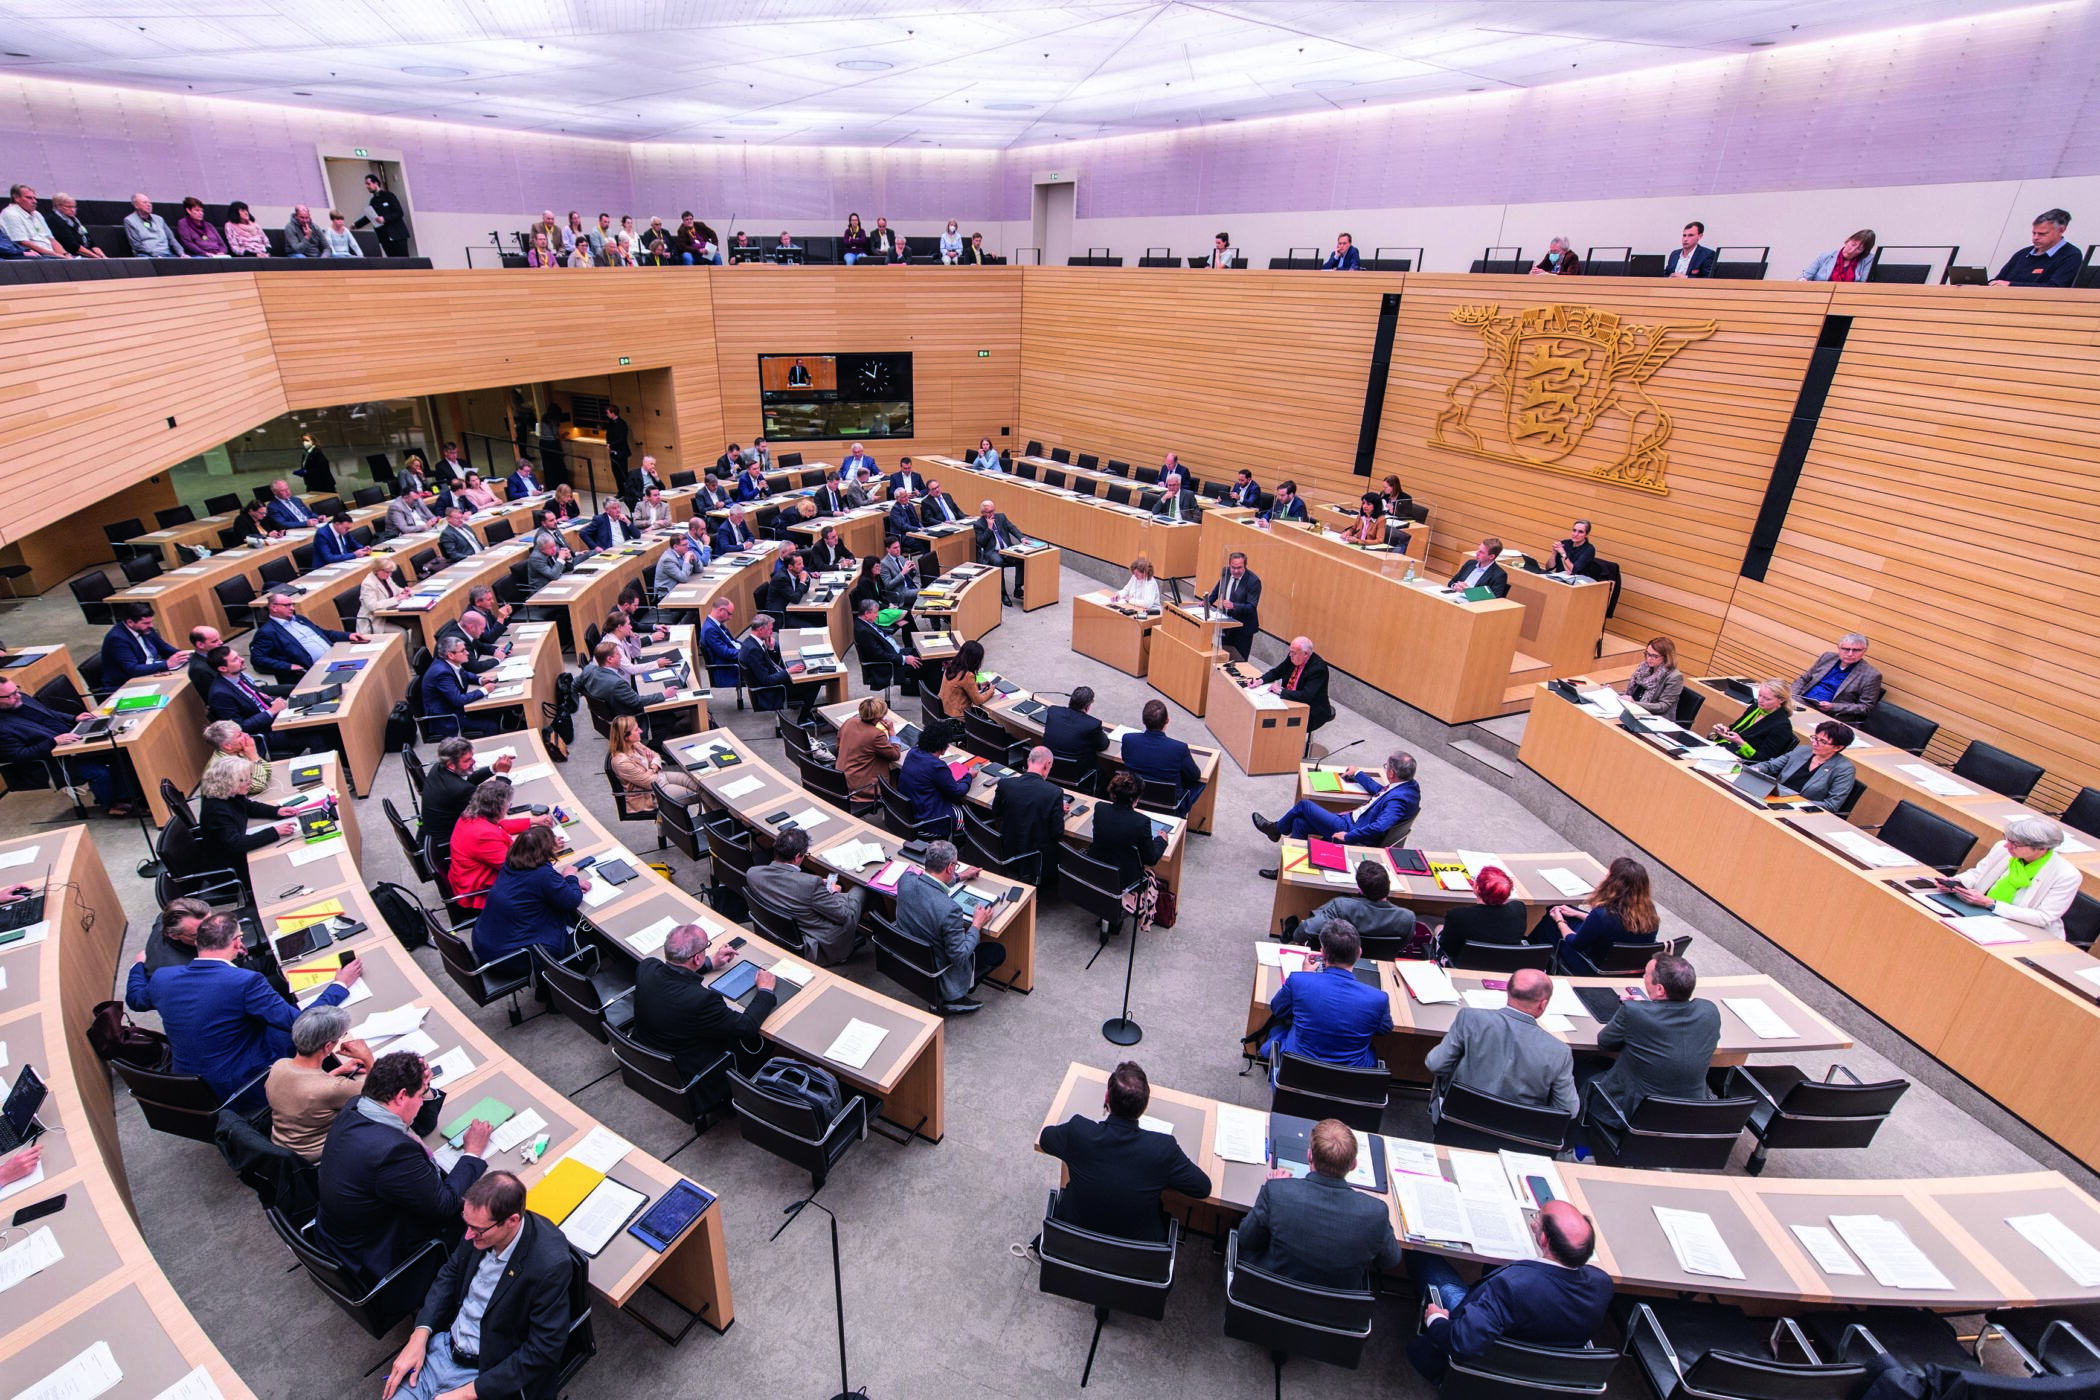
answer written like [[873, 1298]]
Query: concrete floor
[[936, 1303]]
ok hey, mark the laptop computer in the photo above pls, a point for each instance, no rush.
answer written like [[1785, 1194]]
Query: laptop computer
[[18, 1117], [93, 726], [24, 913], [1754, 785]]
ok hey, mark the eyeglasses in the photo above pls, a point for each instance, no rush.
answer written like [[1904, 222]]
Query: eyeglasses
[[475, 1232]]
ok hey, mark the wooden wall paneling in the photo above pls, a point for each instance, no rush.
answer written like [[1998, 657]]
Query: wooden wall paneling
[[1948, 509], [98, 368], [1729, 397], [1263, 370], [942, 315]]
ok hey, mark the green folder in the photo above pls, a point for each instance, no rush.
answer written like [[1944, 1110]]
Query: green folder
[[493, 1109], [1320, 780], [127, 703], [1478, 593]]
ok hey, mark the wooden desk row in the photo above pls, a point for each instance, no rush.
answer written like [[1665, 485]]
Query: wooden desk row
[[1081, 519], [964, 604], [204, 532], [107, 1291], [1202, 817], [1996, 1015], [1959, 1222]]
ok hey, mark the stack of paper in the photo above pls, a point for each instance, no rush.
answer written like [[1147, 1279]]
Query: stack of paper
[[1571, 885], [1889, 1253], [742, 787], [1564, 1003], [523, 1128], [385, 1025], [1604, 699], [32, 1256], [1408, 1157], [1267, 954], [854, 855], [1434, 1209], [1477, 861], [1485, 999], [1519, 1167], [650, 941], [1480, 1177], [1934, 781], [1763, 1021], [1867, 851], [1697, 1243], [1823, 1247], [856, 1043], [808, 819], [1987, 929], [2066, 1249], [1242, 1134], [601, 1149], [1428, 983]]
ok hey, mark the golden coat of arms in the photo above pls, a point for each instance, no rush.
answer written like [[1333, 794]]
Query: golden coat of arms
[[1553, 378]]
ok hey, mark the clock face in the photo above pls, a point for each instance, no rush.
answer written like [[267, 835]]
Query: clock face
[[872, 378]]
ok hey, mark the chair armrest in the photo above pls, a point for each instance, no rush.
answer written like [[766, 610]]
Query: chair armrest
[[1735, 1076], [854, 1104], [1857, 1343], [2069, 1336], [1591, 1092], [228, 1103], [1836, 1070], [1644, 1318], [1788, 1327], [2032, 1365], [429, 1247]]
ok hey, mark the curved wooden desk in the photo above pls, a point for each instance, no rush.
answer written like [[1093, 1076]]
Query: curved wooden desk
[[1081, 518]]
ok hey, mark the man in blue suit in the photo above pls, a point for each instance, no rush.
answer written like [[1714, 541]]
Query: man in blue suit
[[758, 660], [288, 512], [1393, 802], [1157, 758], [1286, 505], [1690, 260], [31, 730], [856, 465], [332, 542], [522, 482], [234, 697], [226, 1024], [1326, 1014], [1555, 1300], [611, 527], [734, 533], [446, 691], [718, 648], [905, 477], [286, 644], [1344, 258], [132, 648], [751, 483], [904, 516], [1244, 491]]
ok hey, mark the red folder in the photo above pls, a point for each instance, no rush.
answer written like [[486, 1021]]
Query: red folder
[[1327, 855]]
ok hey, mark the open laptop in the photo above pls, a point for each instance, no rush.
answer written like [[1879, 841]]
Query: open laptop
[[25, 912], [93, 726], [1755, 786], [18, 1116]]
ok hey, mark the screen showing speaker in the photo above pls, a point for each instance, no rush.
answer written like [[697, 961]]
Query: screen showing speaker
[[820, 398]]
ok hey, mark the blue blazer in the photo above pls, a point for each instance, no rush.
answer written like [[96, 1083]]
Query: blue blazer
[[931, 787], [747, 490], [381, 1195], [1528, 1301], [27, 730], [759, 666], [518, 484], [1702, 262], [1161, 758], [228, 701], [599, 534], [904, 518], [728, 541], [1247, 495], [1294, 509], [274, 651], [916, 482], [291, 513], [527, 907], [718, 652], [1333, 1016], [443, 694], [857, 464], [1369, 823], [332, 548], [225, 1023], [122, 660], [1350, 261]]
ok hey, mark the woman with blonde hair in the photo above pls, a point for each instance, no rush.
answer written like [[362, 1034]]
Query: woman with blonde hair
[[226, 809], [868, 752], [377, 590], [640, 770]]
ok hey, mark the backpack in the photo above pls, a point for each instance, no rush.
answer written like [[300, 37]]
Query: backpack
[[808, 1085], [403, 913], [560, 714], [400, 727], [115, 1036]]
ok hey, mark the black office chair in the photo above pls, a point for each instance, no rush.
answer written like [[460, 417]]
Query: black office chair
[[1061, 455], [596, 999], [792, 1131], [181, 1104], [1668, 1134], [788, 459], [1689, 704], [485, 983], [89, 590], [378, 1307], [2057, 1341], [1795, 1110], [1926, 838], [1906, 729], [1292, 1318], [500, 532], [899, 818], [141, 567], [2082, 921], [422, 562], [1510, 1370], [986, 737], [777, 927], [2001, 772], [410, 840], [911, 962], [278, 570], [1115, 468], [829, 784], [119, 534], [1080, 775], [1711, 1351], [221, 505], [1026, 470], [369, 495], [1631, 959], [1092, 885], [1106, 1273], [1913, 1338], [693, 1099], [1468, 1118], [1308, 1088], [1504, 957]]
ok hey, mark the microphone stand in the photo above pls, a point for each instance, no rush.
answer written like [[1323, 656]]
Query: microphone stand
[[838, 1289], [1121, 1030], [1343, 749]]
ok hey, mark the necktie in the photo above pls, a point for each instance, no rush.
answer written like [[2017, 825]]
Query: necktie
[[1229, 581], [1296, 676], [251, 692]]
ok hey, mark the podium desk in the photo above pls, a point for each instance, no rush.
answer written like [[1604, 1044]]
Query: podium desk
[[1563, 621], [965, 602], [1042, 568], [1185, 650], [828, 605], [357, 725], [1267, 737], [1119, 639], [1081, 518], [1200, 817], [950, 543], [860, 530], [1301, 889]]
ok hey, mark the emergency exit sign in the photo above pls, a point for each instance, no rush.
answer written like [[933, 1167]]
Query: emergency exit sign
[[627, 359], [359, 151], [984, 354]]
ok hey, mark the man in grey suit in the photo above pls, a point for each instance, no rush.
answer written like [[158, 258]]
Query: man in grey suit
[[899, 573], [828, 916], [548, 562], [1505, 1053], [1665, 1043], [926, 909], [1318, 1229], [1841, 683], [1177, 502], [1367, 911]]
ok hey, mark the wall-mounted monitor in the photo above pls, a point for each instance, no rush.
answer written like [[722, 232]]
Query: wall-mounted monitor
[[819, 398]]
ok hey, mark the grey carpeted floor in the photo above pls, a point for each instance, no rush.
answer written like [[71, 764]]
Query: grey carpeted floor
[[936, 1303]]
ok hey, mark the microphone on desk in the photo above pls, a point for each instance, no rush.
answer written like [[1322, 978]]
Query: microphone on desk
[[1317, 767]]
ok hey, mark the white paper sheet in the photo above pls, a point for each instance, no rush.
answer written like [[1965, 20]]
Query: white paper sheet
[[1763, 1021], [854, 855], [1559, 1025], [1155, 1125], [526, 1126], [1823, 1247], [2066, 1248], [601, 893], [1431, 1209], [1477, 861], [808, 819], [788, 970], [1697, 1243], [11, 859], [1564, 1002], [1868, 851], [197, 1385], [1987, 929], [360, 990], [1479, 1176], [1566, 881], [1890, 1254], [1428, 983], [1604, 699], [415, 1043], [528, 773], [1242, 1134], [742, 787], [650, 941], [35, 1178], [1407, 1157], [320, 850], [32, 1256], [1517, 1166], [1481, 999], [384, 1025], [456, 1064], [87, 1375], [856, 1043], [1267, 954], [601, 1149], [1934, 781], [598, 1216]]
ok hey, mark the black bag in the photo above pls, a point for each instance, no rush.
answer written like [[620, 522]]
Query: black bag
[[403, 913], [560, 713], [400, 727], [803, 1084], [115, 1036]]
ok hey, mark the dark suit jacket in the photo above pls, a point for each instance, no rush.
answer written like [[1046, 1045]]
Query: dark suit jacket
[[223, 823], [226, 1024], [122, 660], [525, 1328], [826, 559], [1158, 757], [1532, 1300], [227, 701], [1191, 505], [996, 536], [676, 1012], [602, 533], [1030, 814], [1116, 1171], [1318, 1230], [274, 651], [729, 541], [382, 1196], [916, 482], [874, 644], [1312, 687], [1073, 735], [331, 546], [830, 502], [1664, 1048], [1495, 580], [760, 665], [1770, 737], [1123, 838], [1247, 495], [286, 514], [516, 485], [202, 676], [904, 518], [457, 543], [445, 797], [443, 694], [1246, 604], [613, 691], [479, 654], [1857, 694], [1702, 262]]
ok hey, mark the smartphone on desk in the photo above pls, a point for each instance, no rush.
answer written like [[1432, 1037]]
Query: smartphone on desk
[[49, 1206]]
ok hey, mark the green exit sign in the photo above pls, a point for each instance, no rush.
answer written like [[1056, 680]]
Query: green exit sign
[[627, 359], [984, 354], [359, 151]]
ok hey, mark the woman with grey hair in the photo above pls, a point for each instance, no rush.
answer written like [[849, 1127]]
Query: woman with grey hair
[[224, 814], [227, 737], [2023, 879], [306, 1091]]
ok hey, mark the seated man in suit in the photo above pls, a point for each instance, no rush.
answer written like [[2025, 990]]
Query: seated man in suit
[[758, 661], [676, 564], [604, 682], [286, 644], [1505, 1053], [995, 535], [1327, 1014], [926, 910], [642, 480], [202, 639], [1244, 491], [829, 554], [899, 574], [472, 628], [1318, 1229], [1238, 592], [1287, 505], [1843, 683], [1158, 758], [1481, 571], [407, 514], [449, 785], [446, 691], [937, 507], [457, 540], [226, 1024], [132, 648], [234, 697], [332, 542], [1665, 1044], [828, 916], [701, 536], [735, 534], [676, 1012], [522, 483], [611, 527], [288, 512], [382, 1198], [718, 644], [549, 560], [904, 516], [926, 781], [1116, 1169], [497, 1319], [789, 583], [751, 484], [652, 511], [831, 496], [481, 598], [905, 479], [1302, 677], [1177, 502], [1029, 811], [1369, 911], [1394, 802], [1555, 1300], [1689, 259], [857, 464], [1072, 734], [878, 646]]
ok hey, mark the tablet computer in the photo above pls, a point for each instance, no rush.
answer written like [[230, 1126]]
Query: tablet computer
[[672, 1214]]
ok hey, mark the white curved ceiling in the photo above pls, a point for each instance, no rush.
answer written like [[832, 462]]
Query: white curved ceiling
[[985, 74]]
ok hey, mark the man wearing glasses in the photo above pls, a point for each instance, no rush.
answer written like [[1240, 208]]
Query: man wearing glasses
[[383, 1196]]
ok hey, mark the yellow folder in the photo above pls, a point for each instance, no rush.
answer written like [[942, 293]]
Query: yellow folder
[[562, 1189]]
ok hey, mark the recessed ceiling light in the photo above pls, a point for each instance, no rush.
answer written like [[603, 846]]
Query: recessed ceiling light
[[1478, 89], [1009, 106], [433, 70], [302, 94], [1762, 43], [864, 65], [488, 114], [12, 54], [1316, 84]]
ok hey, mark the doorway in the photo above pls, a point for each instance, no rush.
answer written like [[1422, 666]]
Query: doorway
[[1054, 208], [346, 189]]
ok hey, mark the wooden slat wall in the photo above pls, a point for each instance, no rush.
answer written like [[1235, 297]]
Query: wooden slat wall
[[943, 316], [93, 372], [1729, 396], [1264, 370], [1950, 510]]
